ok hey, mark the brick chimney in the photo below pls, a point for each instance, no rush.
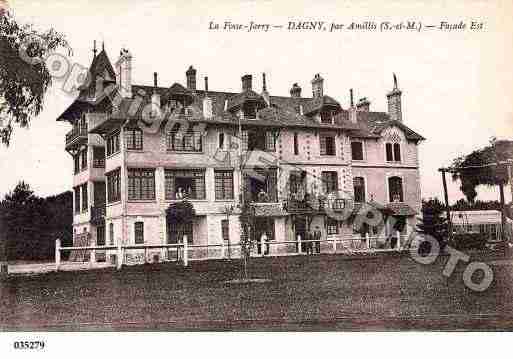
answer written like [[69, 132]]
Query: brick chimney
[[317, 86], [353, 116], [247, 82], [394, 102], [191, 78], [363, 104], [265, 93], [155, 98], [295, 91], [207, 102], [124, 73]]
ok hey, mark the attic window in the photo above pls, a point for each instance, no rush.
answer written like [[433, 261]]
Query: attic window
[[249, 111], [327, 117]]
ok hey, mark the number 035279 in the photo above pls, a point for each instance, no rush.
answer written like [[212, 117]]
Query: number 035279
[[29, 345]]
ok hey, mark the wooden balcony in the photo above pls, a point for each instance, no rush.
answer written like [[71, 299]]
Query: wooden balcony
[[76, 137]]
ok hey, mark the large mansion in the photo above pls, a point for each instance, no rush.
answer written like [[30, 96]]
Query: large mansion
[[125, 176]]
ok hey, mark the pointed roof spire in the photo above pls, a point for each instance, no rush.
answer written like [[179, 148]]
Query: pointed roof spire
[[94, 49], [103, 45], [264, 84], [351, 97], [395, 81]]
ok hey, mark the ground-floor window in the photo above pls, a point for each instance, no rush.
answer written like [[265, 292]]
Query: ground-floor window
[[100, 236], [139, 232], [225, 230]]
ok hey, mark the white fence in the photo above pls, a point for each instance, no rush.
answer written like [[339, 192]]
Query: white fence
[[185, 252]]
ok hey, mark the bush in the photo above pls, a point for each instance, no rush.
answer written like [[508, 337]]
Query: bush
[[462, 241]]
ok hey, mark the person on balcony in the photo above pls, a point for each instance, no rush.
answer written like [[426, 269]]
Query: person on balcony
[[262, 196], [264, 241]]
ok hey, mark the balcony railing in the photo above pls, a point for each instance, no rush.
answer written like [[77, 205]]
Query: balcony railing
[[75, 133], [98, 214]]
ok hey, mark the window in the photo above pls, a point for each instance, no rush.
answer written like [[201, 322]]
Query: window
[[77, 199], [249, 111], [141, 184], [111, 234], [221, 140], [259, 140], [187, 183], [327, 117], [393, 152], [225, 230], [395, 188], [359, 189], [327, 145], [113, 144], [83, 158], [84, 197], [176, 233], [181, 141], [76, 163], [114, 186], [224, 184], [139, 232], [397, 152], [329, 181], [270, 141], [133, 139], [357, 151], [332, 226], [296, 144], [99, 157], [100, 236]]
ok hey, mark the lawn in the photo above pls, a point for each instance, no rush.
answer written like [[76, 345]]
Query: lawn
[[326, 292]]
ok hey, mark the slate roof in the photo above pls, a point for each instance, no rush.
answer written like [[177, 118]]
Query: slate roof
[[284, 111]]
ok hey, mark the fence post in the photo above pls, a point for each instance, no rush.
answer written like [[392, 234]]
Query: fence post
[[119, 256], [262, 249], [367, 239], [57, 254], [398, 245], [299, 244], [185, 251], [92, 257], [334, 244], [223, 249]]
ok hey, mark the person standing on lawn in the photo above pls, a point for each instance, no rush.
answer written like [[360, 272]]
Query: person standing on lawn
[[317, 238], [309, 244]]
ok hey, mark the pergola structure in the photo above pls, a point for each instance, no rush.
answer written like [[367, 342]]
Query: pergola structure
[[453, 170]]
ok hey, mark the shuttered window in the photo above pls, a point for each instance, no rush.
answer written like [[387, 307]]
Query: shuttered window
[[224, 184], [133, 139], [329, 181], [185, 184], [141, 184], [139, 232]]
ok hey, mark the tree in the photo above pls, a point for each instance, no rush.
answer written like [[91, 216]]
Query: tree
[[434, 223], [473, 170], [31, 224], [247, 224], [24, 77]]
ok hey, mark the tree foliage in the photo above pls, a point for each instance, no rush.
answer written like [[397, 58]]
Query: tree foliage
[[31, 223], [472, 177], [24, 80], [180, 212], [434, 222]]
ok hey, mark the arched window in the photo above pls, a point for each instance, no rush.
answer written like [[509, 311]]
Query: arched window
[[359, 189], [395, 189]]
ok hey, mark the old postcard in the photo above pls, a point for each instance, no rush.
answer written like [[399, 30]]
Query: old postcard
[[279, 166]]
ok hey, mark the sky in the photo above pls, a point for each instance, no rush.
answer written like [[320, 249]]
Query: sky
[[457, 86]]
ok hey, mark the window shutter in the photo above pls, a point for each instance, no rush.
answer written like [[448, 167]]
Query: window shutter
[[270, 141], [272, 186], [397, 152]]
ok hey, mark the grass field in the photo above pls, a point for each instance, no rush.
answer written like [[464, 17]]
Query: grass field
[[305, 293]]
